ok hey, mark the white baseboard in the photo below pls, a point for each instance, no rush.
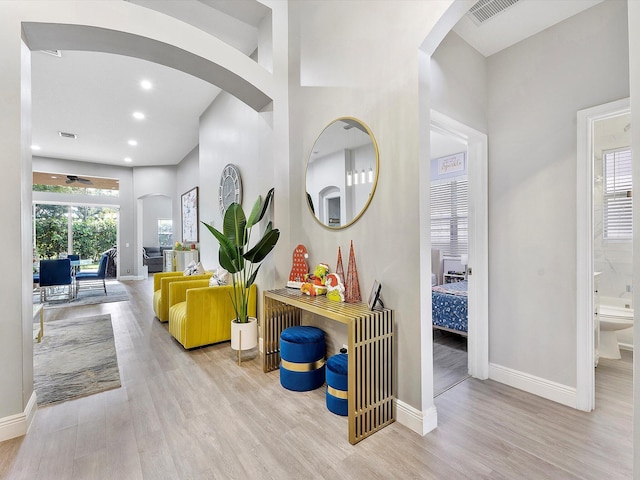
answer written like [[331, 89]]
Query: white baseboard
[[553, 391], [625, 346], [412, 418], [18, 425], [131, 277]]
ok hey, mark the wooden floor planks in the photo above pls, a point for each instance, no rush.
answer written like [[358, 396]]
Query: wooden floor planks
[[198, 415]]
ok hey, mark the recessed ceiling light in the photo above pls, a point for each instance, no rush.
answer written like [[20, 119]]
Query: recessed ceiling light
[[67, 135], [53, 177], [146, 84], [133, 143], [128, 159], [138, 115], [35, 147]]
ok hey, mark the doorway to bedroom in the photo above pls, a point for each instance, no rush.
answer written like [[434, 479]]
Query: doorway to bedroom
[[449, 201], [459, 236]]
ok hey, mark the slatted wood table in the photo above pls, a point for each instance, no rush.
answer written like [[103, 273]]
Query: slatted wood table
[[370, 349]]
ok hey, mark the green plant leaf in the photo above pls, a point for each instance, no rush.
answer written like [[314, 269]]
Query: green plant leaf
[[265, 205], [227, 253], [261, 249], [255, 211], [235, 225]]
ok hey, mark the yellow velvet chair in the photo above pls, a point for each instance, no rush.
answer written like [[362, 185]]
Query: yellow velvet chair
[[161, 282], [201, 315]]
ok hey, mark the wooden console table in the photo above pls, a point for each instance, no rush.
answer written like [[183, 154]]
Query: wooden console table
[[370, 349]]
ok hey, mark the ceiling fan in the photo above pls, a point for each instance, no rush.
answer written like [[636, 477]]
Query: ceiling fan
[[75, 178]]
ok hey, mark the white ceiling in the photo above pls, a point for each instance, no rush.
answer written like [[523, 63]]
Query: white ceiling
[[94, 95]]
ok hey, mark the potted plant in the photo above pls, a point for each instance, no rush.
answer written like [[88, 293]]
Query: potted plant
[[243, 262]]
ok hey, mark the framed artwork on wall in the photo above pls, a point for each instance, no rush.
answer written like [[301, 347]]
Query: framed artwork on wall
[[190, 216]]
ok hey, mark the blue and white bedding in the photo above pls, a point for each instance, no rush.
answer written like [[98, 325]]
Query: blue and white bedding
[[449, 303]]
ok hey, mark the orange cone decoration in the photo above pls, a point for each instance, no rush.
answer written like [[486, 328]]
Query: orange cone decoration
[[352, 287], [340, 268]]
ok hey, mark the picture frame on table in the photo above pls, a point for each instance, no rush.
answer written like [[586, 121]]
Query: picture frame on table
[[374, 296], [189, 213]]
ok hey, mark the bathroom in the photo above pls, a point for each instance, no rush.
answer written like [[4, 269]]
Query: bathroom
[[612, 245]]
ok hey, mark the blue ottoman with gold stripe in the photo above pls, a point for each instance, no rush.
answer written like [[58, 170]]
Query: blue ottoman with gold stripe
[[302, 351], [338, 384]]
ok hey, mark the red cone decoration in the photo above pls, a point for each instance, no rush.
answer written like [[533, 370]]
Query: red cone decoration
[[352, 286]]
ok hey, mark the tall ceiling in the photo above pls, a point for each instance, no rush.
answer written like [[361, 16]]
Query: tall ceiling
[[94, 95]]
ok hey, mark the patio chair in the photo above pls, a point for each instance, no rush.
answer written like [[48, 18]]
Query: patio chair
[[87, 277], [54, 273]]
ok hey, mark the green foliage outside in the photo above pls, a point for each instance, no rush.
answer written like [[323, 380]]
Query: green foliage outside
[[94, 230]]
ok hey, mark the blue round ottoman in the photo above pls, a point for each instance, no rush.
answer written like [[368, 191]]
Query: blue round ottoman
[[302, 351], [337, 384]]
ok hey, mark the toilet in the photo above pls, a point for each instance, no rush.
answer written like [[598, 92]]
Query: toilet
[[612, 319]]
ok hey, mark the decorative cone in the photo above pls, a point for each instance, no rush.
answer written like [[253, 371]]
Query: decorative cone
[[340, 268], [352, 286]]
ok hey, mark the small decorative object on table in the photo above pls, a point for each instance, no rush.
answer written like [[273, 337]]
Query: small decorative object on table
[[335, 288], [339, 267], [299, 269], [352, 287], [374, 296], [315, 284]]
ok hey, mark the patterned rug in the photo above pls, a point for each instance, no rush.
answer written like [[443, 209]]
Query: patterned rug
[[86, 296], [76, 358]]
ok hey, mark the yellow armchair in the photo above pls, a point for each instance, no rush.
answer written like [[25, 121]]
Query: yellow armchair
[[201, 315], [161, 282]]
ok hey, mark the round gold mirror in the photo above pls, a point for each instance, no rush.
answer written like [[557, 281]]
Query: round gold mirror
[[342, 173]]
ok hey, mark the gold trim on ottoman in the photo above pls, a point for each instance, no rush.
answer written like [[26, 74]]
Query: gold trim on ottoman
[[302, 367], [334, 392]]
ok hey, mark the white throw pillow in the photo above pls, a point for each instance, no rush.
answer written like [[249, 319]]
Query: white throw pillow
[[200, 269], [191, 269], [219, 277]]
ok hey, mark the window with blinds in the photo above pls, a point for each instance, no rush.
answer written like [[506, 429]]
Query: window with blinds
[[617, 193], [450, 217]]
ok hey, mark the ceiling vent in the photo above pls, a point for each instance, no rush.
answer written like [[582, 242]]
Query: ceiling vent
[[55, 53], [487, 9], [67, 135]]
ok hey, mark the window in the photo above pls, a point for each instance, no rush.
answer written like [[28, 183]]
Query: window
[[165, 232], [617, 194], [449, 216]]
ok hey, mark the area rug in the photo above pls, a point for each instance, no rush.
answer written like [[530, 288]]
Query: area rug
[[76, 358], [115, 293]]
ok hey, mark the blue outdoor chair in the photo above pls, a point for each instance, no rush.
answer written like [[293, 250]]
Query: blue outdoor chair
[[94, 277], [54, 273]]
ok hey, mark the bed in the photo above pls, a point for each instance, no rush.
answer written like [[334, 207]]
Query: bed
[[449, 307]]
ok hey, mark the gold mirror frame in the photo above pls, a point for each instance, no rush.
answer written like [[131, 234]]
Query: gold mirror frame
[[341, 143]]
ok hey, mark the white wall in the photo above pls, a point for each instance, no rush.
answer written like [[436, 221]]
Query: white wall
[[535, 89], [155, 208], [459, 82], [187, 176], [231, 132]]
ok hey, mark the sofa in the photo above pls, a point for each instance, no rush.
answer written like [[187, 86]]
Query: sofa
[[161, 282], [153, 259], [201, 315]]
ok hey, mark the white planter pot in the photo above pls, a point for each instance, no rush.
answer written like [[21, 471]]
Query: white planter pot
[[244, 336]]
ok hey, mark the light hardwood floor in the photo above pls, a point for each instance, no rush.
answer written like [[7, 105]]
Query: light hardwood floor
[[198, 415], [450, 360]]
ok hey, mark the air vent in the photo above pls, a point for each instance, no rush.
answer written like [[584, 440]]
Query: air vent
[[67, 135], [55, 53], [487, 9]]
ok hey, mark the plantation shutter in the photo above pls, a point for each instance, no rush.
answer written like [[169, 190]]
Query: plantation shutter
[[618, 219], [450, 217]]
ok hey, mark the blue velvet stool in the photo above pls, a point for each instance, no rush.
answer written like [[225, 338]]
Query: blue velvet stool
[[302, 351], [338, 384]]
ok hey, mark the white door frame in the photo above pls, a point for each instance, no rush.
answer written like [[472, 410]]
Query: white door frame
[[585, 380], [478, 306]]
